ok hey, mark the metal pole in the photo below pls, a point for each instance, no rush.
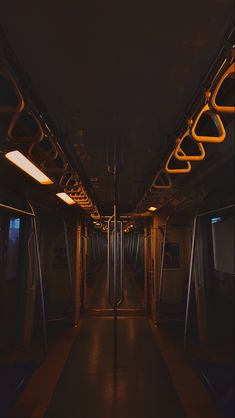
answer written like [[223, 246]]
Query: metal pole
[[36, 240], [18, 210], [145, 265], [68, 257], [109, 259], [162, 265], [121, 263], [137, 250], [132, 246], [210, 212], [85, 264], [77, 284], [190, 279], [34, 224]]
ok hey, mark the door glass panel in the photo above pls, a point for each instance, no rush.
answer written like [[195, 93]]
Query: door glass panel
[[13, 248]]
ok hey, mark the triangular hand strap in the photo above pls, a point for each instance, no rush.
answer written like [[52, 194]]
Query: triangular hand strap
[[217, 123], [11, 100], [177, 170], [182, 156], [229, 73], [162, 180], [25, 128]]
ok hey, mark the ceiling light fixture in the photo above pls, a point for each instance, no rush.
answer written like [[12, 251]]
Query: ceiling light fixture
[[63, 196], [152, 209], [24, 164]]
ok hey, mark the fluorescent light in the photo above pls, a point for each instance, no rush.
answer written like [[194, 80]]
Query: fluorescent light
[[66, 198], [24, 164], [152, 209]]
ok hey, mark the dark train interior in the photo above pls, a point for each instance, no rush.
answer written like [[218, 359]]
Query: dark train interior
[[117, 209]]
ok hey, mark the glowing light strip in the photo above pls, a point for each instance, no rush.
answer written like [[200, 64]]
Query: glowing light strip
[[24, 164], [63, 196]]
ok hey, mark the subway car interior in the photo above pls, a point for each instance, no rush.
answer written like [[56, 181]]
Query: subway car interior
[[117, 209]]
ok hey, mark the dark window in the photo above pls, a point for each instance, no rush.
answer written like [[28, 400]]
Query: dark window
[[13, 248], [223, 244]]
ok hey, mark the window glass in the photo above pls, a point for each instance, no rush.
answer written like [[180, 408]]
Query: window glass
[[13, 248], [223, 244]]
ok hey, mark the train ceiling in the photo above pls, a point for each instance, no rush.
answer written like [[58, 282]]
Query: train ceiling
[[124, 70]]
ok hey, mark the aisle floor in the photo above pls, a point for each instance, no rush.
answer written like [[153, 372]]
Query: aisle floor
[[89, 387]]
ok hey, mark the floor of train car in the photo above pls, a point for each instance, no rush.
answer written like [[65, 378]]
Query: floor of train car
[[77, 378]]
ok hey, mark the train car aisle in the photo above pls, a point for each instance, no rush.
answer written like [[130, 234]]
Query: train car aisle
[[88, 386], [77, 379], [100, 296]]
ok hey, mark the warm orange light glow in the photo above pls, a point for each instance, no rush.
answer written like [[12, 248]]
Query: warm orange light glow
[[24, 164], [152, 209], [65, 198]]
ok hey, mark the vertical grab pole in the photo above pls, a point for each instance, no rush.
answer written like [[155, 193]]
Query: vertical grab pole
[[145, 265], [68, 257], [78, 273], [137, 250], [85, 252], [36, 240], [115, 285], [121, 261], [108, 260], [190, 279], [162, 265]]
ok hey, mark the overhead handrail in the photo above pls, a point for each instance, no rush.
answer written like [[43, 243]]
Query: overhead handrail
[[182, 156], [23, 119], [206, 110], [161, 175], [7, 108], [185, 169], [229, 72]]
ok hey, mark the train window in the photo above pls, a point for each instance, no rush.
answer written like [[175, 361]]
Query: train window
[[223, 244], [13, 248]]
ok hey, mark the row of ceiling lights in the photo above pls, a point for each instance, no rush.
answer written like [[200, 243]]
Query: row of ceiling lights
[[41, 146]]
